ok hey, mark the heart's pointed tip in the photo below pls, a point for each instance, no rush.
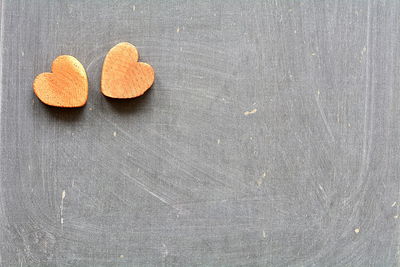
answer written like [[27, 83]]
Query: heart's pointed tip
[[60, 104], [64, 106]]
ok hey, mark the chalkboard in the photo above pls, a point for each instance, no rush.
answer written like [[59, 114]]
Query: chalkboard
[[269, 138]]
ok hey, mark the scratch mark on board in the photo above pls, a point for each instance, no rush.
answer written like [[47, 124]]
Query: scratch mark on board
[[322, 113], [146, 188]]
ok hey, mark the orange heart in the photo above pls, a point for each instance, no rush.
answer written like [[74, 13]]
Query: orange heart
[[66, 86], [123, 76]]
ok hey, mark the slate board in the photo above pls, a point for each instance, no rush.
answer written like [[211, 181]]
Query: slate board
[[270, 136]]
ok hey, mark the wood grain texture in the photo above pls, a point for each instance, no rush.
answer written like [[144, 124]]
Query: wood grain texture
[[66, 86], [271, 136], [122, 75]]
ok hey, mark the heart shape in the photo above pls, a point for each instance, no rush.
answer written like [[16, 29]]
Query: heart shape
[[123, 76], [66, 86]]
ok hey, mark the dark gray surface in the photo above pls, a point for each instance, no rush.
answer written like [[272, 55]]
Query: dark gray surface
[[176, 178]]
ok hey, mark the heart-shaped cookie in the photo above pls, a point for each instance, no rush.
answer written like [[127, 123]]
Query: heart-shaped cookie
[[66, 86], [123, 76]]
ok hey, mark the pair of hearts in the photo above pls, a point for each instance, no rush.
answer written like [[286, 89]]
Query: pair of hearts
[[122, 77]]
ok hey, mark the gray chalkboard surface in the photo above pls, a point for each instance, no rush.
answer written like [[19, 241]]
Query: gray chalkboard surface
[[270, 136]]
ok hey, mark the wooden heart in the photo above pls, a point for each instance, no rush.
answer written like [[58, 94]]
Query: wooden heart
[[66, 86], [123, 76]]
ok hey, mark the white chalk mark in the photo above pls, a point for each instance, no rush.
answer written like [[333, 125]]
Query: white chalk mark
[[259, 181], [218, 141], [363, 50], [146, 188], [264, 234], [368, 104], [323, 191], [394, 203], [133, 8], [165, 252], [1, 47], [357, 230], [178, 30], [62, 207], [322, 113], [250, 112], [93, 62], [115, 133]]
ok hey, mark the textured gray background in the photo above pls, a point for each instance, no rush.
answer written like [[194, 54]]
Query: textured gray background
[[181, 176]]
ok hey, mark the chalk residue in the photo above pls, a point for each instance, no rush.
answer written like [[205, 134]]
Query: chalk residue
[[250, 112], [363, 50], [357, 230], [165, 252], [62, 207], [259, 181]]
